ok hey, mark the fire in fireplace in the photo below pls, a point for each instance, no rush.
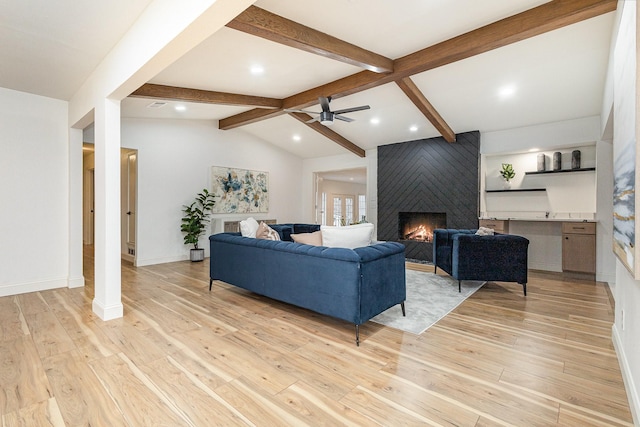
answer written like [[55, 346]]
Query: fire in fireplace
[[419, 226]]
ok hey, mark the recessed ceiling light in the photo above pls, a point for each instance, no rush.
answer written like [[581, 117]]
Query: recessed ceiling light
[[257, 70], [413, 128], [296, 138], [374, 121], [180, 108], [533, 150], [507, 91]]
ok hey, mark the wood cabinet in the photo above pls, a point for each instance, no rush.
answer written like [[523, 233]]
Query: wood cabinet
[[498, 225], [579, 247]]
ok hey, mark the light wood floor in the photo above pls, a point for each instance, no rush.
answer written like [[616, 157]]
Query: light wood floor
[[183, 356]]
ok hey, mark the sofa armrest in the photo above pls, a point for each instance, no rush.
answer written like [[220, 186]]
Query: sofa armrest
[[443, 245]]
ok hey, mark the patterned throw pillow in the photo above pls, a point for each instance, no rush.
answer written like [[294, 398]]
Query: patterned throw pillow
[[266, 232]]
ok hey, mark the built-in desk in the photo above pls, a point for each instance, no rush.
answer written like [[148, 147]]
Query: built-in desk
[[556, 244]]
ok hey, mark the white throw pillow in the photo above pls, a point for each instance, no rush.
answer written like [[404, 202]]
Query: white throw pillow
[[350, 236], [248, 227]]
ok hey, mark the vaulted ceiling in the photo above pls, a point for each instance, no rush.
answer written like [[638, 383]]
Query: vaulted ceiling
[[426, 68]]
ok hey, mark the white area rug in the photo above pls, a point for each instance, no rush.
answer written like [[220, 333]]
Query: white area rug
[[429, 298]]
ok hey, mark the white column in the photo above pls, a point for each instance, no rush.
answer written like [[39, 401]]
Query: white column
[[107, 302], [76, 278]]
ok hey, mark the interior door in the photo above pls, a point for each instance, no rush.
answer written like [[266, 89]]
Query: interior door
[[132, 179], [343, 209]]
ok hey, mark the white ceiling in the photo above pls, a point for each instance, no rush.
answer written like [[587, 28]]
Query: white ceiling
[[50, 50]]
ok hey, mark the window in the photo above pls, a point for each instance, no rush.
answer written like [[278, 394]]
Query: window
[[362, 207]]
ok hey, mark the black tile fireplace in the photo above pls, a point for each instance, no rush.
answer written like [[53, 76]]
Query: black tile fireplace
[[427, 176]]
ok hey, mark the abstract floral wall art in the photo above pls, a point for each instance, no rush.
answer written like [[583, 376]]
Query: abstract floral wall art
[[239, 190]]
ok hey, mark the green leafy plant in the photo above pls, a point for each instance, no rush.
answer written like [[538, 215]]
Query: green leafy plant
[[507, 172], [196, 217]]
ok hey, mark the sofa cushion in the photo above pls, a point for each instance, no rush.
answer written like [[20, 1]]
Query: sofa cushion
[[284, 230], [266, 232], [350, 236], [314, 239], [249, 227]]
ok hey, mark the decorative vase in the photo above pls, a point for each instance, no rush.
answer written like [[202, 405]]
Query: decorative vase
[[575, 159], [542, 160], [557, 161], [506, 185]]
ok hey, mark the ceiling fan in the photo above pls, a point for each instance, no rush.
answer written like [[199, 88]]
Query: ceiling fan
[[326, 116]]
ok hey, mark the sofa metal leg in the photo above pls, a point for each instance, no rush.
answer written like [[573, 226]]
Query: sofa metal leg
[[358, 335], [404, 313], [435, 269], [459, 285], [210, 284], [524, 288]]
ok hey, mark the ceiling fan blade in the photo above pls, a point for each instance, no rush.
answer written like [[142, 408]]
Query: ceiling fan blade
[[343, 118], [324, 103], [351, 110], [316, 119]]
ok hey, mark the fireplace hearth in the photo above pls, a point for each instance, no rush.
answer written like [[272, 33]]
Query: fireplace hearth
[[419, 226]]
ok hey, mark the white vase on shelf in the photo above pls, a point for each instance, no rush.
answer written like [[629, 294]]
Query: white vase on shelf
[[506, 185]]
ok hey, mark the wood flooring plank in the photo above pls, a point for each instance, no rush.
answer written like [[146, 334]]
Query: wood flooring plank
[[41, 414], [200, 404], [135, 395], [80, 395], [22, 378]]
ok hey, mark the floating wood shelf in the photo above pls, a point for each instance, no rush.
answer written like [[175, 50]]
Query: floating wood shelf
[[514, 190], [560, 171]]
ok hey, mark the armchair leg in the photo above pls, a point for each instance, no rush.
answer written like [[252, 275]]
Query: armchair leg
[[404, 313], [358, 335], [459, 285], [435, 269], [210, 284], [524, 288]]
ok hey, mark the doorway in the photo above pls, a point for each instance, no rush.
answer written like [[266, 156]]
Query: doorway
[[341, 196]]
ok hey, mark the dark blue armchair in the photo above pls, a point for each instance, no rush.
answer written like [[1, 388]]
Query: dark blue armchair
[[467, 256]]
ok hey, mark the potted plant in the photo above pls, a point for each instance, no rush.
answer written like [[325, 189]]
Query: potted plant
[[195, 220], [507, 174]]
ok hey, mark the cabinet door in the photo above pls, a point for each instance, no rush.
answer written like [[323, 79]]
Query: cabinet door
[[579, 253]]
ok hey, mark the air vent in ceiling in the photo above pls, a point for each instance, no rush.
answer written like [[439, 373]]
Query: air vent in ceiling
[[157, 104]]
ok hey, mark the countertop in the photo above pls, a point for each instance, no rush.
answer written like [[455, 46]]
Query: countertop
[[535, 219]]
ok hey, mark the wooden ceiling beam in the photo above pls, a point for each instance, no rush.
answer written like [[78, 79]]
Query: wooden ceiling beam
[[547, 17], [325, 131], [262, 23], [154, 91], [417, 97]]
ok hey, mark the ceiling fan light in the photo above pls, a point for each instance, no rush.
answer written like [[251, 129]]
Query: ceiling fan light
[[326, 118]]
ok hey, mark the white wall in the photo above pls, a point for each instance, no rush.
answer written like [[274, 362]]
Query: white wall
[[174, 161], [34, 182], [626, 330]]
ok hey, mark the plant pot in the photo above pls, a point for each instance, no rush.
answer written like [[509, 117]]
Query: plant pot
[[196, 255], [506, 185]]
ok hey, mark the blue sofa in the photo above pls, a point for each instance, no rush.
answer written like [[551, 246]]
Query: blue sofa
[[350, 284], [467, 256]]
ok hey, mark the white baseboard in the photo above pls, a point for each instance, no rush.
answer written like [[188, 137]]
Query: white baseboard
[[545, 266], [152, 261], [23, 288], [629, 385], [107, 313], [128, 257], [77, 282]]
